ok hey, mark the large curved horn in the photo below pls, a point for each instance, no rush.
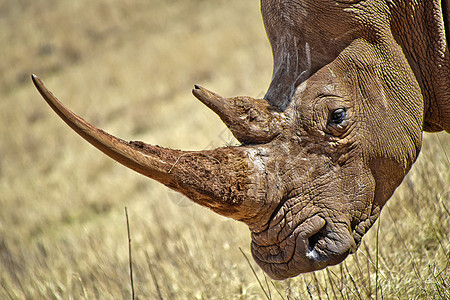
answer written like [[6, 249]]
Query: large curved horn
[[223, 179]]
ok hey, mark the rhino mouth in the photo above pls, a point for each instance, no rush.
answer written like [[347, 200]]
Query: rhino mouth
[[285, 250]]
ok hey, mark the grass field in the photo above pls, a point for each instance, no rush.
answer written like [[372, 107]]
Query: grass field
[[128, 67]]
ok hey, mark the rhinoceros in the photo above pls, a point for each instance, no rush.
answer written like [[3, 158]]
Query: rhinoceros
[[355, 83]]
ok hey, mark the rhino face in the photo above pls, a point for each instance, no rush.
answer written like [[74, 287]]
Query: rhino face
[[348, 148], [319, 157]]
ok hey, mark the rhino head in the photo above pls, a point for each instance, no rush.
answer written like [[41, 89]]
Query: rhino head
[[336, 133]]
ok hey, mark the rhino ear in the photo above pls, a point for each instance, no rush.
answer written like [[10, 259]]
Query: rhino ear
[[291, 66], [291, 57]]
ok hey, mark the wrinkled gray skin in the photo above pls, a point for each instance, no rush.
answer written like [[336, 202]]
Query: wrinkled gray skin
[[354, 85]]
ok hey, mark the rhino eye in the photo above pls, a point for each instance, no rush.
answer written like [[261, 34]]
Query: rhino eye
[[338, 116]]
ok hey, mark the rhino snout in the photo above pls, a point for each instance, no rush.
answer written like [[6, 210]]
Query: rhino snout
[[313, 245]]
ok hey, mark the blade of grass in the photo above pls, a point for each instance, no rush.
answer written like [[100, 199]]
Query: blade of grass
[[129, 255], [318, 285], [154, 278], [353, 281], [441, 201], [268, 287], [307, 289], [254, 273], [278, 291], [343, 286], [326, 286], [377, 256], [331, 283], [361, 276]]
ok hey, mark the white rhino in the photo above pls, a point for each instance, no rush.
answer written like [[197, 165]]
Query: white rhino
[[354, 85]]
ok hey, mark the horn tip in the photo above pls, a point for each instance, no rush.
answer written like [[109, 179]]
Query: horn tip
[[37, 82], [200, 93], [204, 95], [34, 78], [199, 90]]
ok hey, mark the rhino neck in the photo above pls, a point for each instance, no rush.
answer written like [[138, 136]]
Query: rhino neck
[[421, 32]]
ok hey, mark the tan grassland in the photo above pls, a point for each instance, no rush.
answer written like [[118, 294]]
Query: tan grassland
[[128, 67]]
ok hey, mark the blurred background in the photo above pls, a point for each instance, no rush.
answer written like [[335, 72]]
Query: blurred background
[[129, 67]]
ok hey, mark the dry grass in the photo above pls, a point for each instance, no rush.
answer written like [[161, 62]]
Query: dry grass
[[128, 66]]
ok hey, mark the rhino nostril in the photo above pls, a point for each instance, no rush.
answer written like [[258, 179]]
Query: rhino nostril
[[312, 240], [316, 233]]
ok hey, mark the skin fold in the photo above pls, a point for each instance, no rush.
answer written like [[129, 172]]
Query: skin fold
[[337, 131]]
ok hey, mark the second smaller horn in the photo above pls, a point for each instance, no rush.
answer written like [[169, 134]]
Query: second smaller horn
[[252, 121]]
